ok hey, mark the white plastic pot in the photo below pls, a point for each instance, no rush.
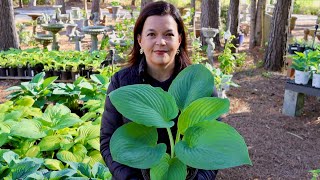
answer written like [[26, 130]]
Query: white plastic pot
[[301, 77], [316, 80]]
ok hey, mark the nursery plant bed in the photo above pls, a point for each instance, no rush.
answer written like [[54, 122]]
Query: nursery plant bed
[[28, 78], [294, 97]]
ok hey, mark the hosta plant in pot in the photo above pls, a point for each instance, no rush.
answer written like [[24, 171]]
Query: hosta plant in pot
[[300, 63], [201, 141], [316, 75]]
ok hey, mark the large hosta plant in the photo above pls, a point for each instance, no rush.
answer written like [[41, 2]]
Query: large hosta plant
[[201, 142]]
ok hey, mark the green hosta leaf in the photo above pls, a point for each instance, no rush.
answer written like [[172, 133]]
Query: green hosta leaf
[[83, 169], [25, 167], [57, 175], [38, 78], [215, 145], [66, 144], [28, 128], [53, 164], [79, 151], [14, 115], [88, 131], [136, 145], [50, 143], [145, 105], [48, 81], [25, 101], [85, 85], [4, 138], [100, 171], [95, 156], [35, 112], [94, 143], [9, 156], [5, 106], [59, 117], [33, 151], [169, 169], [66, 156], [35, 176], [207, 108], [192, 83], [99, 79]]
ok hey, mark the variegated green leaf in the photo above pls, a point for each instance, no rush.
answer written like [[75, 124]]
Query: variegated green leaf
[[53, 164]]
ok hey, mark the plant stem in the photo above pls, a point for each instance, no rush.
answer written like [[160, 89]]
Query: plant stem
[[171, 142], [177, 137]]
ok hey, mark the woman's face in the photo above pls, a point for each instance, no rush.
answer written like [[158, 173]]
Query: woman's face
[[160, 40]]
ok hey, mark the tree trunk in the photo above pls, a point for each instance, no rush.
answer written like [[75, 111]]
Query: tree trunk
[[274, 60], [253, 9], [193, 11], [210, 17], [20, 4], [85, 9], [95, 6], [259, 21], [144, 2], [256, 23], [8, 33], [63, 4], [32, 3], [233, 19]]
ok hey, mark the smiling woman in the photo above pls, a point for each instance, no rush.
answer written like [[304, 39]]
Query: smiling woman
[[158, 56]]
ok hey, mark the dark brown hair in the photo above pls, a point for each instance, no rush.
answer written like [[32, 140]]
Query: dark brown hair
[[159, 8]]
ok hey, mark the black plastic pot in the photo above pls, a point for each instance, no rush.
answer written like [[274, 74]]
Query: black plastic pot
[[21, 71], [3, 72], [65, 75], [74, 75], [12, 71], [29, 71], [38, 68], [57, 73], [48, 74]]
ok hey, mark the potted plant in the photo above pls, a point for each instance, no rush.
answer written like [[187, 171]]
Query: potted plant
[[3, 65], [301, 64], [315, 68], [206, 143]]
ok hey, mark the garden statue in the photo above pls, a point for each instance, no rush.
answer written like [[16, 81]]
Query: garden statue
[[209, 34], [77, 38], [210, 49]]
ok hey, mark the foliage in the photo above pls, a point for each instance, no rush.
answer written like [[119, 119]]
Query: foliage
[[303, 61], [196, 55], [220, 79], [228, 60], [306, 7], [115, 3], [315, 174], [65, 60], [34, 168], [215, 144], [38, 88]]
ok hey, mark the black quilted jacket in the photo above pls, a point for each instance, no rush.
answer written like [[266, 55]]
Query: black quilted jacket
[[112, 119]]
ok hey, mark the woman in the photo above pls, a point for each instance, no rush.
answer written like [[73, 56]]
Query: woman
[[159, 54]]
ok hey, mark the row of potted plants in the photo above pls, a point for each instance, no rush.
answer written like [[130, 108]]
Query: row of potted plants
[[307, 66], [63, 64]]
